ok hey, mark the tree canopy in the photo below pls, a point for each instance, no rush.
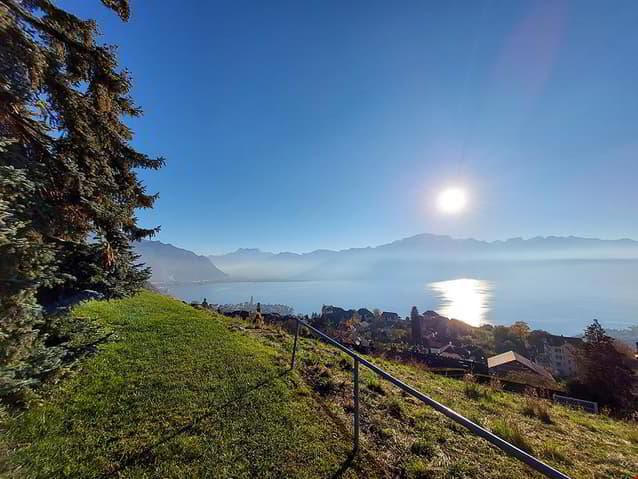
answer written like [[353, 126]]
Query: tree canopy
[[604, 371]]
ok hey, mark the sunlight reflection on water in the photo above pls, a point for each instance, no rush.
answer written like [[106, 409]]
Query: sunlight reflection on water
[[465, 299]]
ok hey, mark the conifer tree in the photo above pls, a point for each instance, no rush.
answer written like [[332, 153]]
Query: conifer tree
[[604, 371], [416, 326], [68, 183]]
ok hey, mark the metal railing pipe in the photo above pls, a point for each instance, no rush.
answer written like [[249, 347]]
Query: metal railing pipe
[[480, 431], [355, 394], [294, 347]]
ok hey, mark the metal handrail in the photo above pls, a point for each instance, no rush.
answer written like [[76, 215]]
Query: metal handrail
[[502, 444]]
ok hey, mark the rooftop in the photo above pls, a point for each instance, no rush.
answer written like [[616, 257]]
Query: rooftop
[[511, 356]]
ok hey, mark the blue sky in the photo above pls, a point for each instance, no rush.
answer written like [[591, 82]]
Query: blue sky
[[292, 126]]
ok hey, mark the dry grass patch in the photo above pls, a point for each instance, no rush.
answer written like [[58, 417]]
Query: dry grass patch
[[538, 408], [510, 431]]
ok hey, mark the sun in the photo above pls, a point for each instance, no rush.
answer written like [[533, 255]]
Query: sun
[[451, 200]]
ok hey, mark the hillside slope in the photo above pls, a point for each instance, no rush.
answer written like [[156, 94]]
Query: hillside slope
[[408, 439], [187, 393], [178, 394]]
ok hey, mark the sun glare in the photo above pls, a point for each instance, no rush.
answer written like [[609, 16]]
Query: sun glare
[[451, 200], [464, 299]]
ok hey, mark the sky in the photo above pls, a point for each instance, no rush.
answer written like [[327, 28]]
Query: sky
[[293, 126]]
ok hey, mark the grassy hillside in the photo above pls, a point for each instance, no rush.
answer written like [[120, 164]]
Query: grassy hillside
[[178, 394], [185, 393], [410, 439]]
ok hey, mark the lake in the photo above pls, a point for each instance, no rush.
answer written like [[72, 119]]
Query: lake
[[560, 297]]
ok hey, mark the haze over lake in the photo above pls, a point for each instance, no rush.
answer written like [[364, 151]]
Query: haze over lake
[[559, 296]]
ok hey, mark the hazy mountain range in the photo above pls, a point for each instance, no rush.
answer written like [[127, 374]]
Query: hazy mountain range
[[170, 264], [412, 255]]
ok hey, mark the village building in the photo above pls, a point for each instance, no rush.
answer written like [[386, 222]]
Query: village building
[[435, 347], [558, 354], [510, 362]]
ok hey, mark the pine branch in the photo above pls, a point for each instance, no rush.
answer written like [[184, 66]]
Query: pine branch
[[58, 35]]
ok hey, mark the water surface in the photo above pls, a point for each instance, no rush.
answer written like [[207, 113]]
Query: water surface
[[466, 299], [561, 297]]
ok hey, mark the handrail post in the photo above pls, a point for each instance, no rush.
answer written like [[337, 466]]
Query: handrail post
[[294, 347], [355, 394]]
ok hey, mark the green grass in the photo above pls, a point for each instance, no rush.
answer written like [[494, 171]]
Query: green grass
[[512, 433], [423, 448], [177, 394], [186, 393], [395, 407], [472, 389], [374, 384], [538, 408], [416, 468], [554, 452], [408, 439]]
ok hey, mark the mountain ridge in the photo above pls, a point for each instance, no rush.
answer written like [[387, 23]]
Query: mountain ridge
[[171, 264], [512, 240], [408, 254]]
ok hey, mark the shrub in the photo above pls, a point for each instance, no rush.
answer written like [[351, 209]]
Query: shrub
[[511, 433]]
